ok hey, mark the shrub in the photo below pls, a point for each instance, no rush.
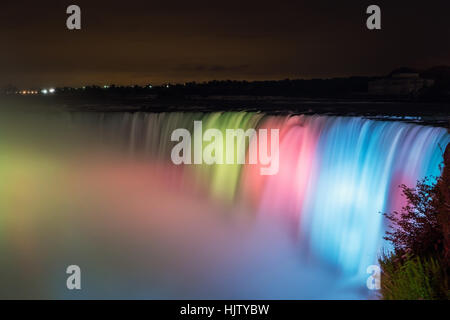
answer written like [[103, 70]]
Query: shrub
[[413, 278], [419, 266], [416, 229]]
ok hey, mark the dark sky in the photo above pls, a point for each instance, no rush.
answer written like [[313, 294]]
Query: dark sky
[[133, 41]]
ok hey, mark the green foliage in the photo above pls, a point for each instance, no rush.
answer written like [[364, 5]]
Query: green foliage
[[413, 278]]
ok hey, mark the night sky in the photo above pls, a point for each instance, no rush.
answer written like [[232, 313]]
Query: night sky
[[139, 42]]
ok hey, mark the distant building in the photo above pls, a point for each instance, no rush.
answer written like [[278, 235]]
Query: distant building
[[399, 84]]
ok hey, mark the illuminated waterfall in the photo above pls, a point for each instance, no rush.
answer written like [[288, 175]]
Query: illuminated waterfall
[[337, 175]]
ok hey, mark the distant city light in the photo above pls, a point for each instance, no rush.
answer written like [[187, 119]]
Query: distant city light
[[51, 90], [44, 91], [26, 92]]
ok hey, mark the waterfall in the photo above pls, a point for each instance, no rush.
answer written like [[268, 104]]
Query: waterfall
[[336, 177], [337, 174]]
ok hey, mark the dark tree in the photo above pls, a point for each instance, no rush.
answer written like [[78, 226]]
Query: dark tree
[[421, 228]]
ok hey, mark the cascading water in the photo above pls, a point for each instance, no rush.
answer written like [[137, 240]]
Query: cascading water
[[336, 176]]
